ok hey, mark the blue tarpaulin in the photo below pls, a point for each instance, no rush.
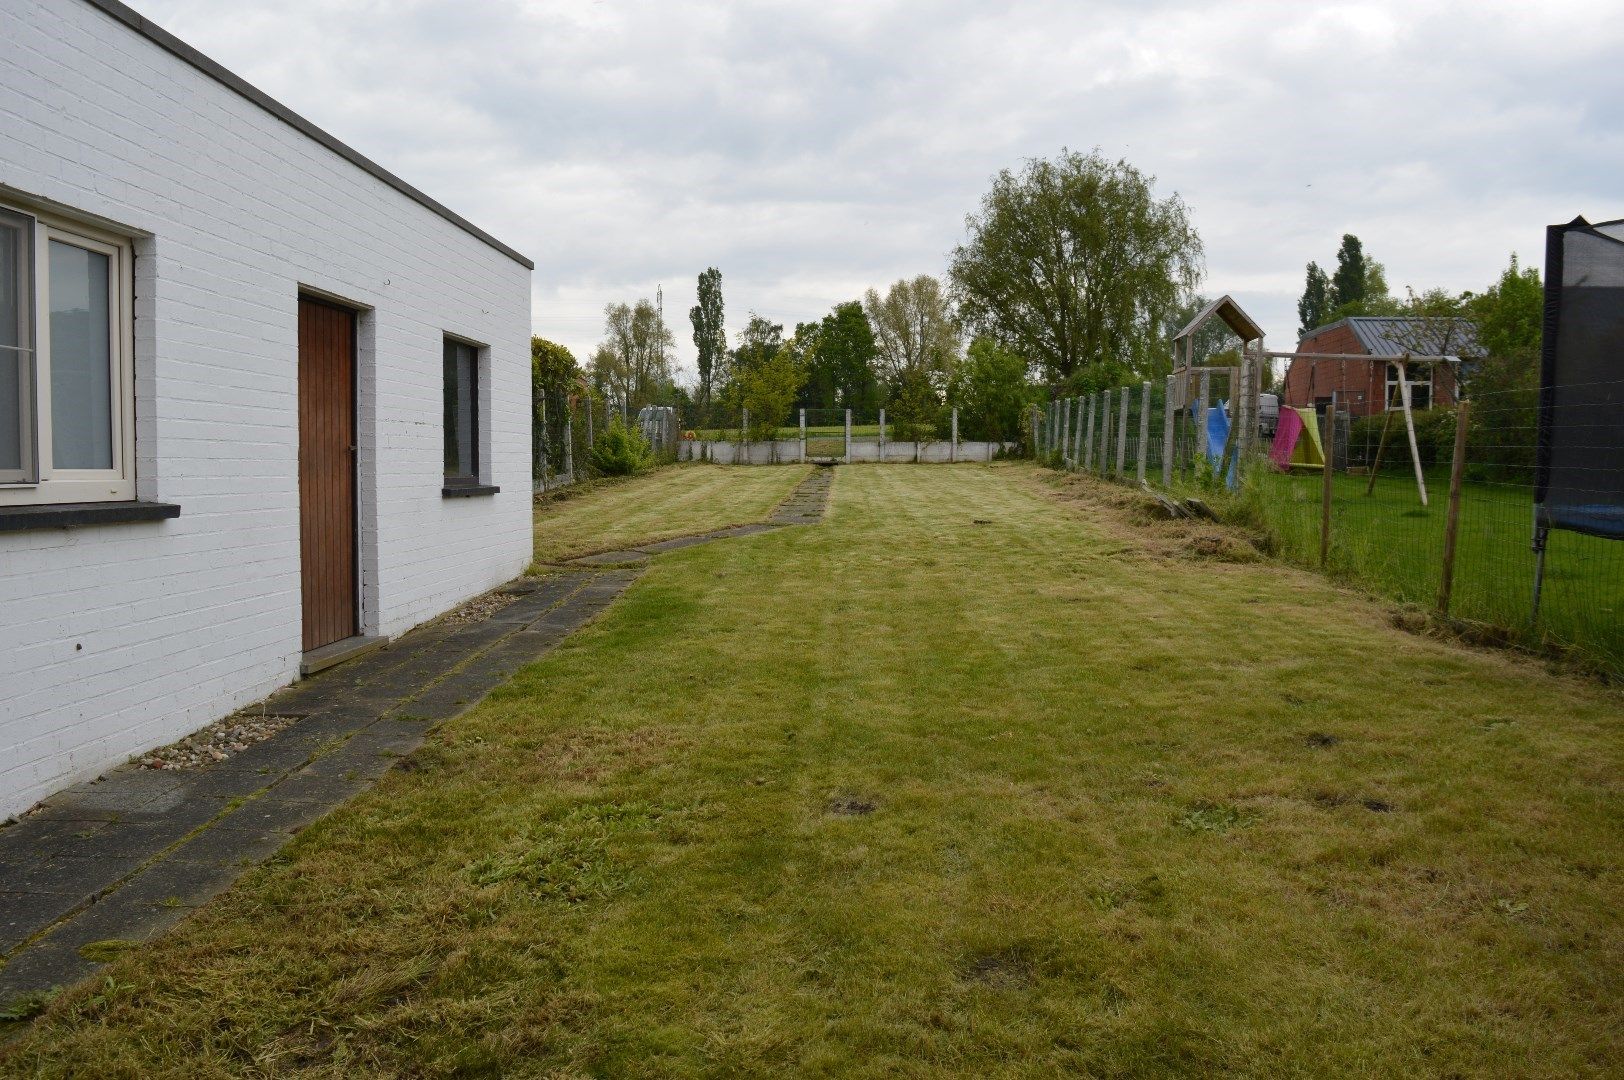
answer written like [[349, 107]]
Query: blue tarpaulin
[[1217, 438]]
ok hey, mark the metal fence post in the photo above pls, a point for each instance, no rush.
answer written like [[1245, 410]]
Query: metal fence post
[[1144, 430], [1457, 468]]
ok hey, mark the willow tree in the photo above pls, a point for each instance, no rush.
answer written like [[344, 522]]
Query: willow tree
[[1074, 263]]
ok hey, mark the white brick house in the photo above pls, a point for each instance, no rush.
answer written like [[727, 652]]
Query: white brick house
[[258, 397]]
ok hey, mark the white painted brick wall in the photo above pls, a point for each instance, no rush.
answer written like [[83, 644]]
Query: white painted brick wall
[[118, 638]]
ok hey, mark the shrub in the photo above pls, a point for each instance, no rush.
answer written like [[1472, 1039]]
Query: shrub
[[1434, 438], [620, 451]]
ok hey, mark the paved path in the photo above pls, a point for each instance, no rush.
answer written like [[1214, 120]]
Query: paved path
[[127, 856]]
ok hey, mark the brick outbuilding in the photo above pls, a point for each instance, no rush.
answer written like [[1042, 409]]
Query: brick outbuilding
[[1368, 387]]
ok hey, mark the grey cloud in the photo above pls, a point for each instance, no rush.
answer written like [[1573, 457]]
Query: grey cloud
[[813, 149]]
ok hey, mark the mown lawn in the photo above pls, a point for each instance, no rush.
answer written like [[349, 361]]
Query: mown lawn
[[976, 778], [674, 501], [1387, 540]]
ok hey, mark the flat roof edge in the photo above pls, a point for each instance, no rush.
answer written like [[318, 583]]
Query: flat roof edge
[[178, 48]]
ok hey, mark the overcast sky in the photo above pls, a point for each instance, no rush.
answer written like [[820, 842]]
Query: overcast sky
[[811, 150]]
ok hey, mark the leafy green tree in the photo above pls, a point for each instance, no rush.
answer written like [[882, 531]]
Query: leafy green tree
[[710, 338], [840, 368], [1504, 383], [1315, 302], [914, 408], [1510, 314], [1358, 287], [554, 371], [758, 342], [557, 384], [633, 363], [990, 390], [767, 386], [914, 330], [1075, 262], [1348, 282]]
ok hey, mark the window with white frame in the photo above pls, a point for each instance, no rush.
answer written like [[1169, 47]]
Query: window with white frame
[[1420, 379], [67, 410]]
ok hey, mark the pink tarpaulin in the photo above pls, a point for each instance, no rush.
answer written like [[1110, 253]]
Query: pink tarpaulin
[[1286, 433]]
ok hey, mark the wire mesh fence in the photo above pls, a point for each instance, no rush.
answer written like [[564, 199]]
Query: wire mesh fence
[[1372, 495], [565, 428]]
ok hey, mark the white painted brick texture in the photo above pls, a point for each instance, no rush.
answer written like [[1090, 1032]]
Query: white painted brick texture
[[118, 638]]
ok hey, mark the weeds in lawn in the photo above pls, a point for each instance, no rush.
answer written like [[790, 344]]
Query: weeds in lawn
[[569, 868], [1212, 818]]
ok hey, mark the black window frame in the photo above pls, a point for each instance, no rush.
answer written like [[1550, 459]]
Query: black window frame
[[466, 361]]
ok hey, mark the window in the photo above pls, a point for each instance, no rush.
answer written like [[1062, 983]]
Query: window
[[1420, 380], [66, 379], [461, 413]]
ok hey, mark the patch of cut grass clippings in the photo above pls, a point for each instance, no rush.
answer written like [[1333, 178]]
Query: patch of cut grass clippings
[[900, 794]]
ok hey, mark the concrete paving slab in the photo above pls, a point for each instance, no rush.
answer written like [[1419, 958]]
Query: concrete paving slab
[[612, 558]]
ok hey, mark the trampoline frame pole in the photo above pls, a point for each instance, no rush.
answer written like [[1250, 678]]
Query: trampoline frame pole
[[1541, 533]]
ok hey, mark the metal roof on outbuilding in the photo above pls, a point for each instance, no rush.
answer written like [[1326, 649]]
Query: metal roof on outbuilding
[[1383, 335]]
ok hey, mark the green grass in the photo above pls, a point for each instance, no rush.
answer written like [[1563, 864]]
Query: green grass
[[674, 501], [976, 778], [1388, 540]]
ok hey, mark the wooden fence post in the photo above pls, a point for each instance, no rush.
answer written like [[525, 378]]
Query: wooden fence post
[[848, 437], [954, 453], [569, 447], [1457, 468], [1327, 430], [882, 436], [803, 436]]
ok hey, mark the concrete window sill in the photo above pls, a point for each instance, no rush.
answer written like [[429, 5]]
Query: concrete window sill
[[468, 491], [66, 515]]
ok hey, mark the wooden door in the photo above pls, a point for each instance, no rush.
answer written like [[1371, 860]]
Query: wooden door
[[327, 512]]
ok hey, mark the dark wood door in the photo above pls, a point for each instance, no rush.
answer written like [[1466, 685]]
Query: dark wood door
[[327, 516]]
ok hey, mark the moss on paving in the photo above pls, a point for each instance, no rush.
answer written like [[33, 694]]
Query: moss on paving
[[905, 794], [675, 501]]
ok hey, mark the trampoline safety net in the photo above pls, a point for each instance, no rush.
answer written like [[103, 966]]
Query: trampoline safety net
[[1579, 484]]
